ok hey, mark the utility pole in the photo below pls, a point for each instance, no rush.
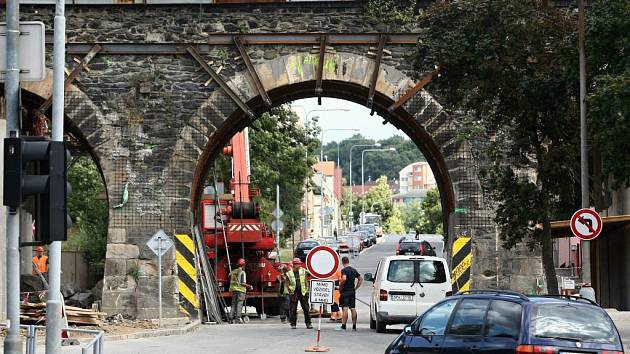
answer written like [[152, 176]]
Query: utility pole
[[53, 307], [586, 291], [13, 341]]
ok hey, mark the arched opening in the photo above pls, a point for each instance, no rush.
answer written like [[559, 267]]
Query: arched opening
[[83, 253], [238, 120]]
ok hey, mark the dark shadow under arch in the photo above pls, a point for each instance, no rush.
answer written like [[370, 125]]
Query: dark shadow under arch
[[400, 118]]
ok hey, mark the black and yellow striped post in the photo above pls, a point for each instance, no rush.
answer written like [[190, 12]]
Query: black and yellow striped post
[[187, 274], [462, 261]]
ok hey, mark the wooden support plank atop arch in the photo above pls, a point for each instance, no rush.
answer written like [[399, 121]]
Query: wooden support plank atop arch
[[242, 105], [375, 72], [320, 67], [252, 71], [411, 92]]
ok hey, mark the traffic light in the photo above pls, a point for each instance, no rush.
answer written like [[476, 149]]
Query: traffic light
[[36, 166]]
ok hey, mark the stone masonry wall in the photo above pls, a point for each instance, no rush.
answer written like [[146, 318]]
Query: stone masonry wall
[[149, 118]]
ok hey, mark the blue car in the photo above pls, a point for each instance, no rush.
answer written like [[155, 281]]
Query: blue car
[[502, 322]]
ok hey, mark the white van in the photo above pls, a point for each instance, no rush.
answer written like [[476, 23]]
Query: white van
[[404, 287]]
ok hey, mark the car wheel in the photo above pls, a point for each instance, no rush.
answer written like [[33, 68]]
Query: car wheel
[[381, 326], [372, 322]]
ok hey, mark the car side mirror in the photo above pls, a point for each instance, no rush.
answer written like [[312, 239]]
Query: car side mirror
[[408, 329], [369, 277]]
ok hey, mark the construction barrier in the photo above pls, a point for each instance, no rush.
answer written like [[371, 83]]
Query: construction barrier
[[462, 261], [187, 274]]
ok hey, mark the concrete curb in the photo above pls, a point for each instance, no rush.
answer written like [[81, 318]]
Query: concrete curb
[[155, 333]]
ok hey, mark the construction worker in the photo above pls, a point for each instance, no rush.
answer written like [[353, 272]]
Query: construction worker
[[283, 293], [40, 262], [335, 312], [298, 289], [238, 288]]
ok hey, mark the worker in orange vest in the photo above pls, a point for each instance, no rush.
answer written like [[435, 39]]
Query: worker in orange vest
[[335, 312], [40, 262]]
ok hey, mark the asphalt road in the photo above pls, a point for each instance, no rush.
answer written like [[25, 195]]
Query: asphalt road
[[270, 336]]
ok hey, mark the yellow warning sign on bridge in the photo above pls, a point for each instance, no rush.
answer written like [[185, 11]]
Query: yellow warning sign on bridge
[[461, 264]]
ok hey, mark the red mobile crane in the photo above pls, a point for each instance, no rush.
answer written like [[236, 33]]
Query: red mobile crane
[[239, 233]]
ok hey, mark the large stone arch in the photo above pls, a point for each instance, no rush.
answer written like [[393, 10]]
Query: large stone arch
[[293, 76]]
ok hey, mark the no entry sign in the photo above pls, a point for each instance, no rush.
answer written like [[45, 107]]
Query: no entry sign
[[322, 262], [586, 224]]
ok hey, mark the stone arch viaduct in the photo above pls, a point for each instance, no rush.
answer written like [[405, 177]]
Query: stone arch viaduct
[[156, 90]]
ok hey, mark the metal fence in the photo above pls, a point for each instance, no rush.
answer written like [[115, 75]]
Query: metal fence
[[94, 346]]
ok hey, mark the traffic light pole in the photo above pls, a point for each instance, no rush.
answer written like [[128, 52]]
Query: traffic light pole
[[13, 341], [53, 307]]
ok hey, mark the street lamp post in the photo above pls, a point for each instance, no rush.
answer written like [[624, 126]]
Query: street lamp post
[[362, 177], [306, 218], [321, 176], [352, 147]]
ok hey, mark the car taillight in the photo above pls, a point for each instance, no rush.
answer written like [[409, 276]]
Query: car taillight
[[383, 295], [611, 352], [398, 249], [522, 349], [421, 249]]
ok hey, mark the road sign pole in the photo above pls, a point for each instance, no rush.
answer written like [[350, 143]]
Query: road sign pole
[[160, 282], [13, 341]]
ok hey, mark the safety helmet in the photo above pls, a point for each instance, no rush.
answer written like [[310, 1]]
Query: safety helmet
[[241, 262], [296, 261], [40, 249]]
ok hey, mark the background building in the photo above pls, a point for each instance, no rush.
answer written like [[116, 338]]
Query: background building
[[416, 176]]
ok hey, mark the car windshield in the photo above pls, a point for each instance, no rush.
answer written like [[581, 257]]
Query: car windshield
[[567, 321], [307, 244], [330, 241]]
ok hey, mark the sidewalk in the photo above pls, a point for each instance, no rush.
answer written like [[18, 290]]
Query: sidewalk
[[622, 321]]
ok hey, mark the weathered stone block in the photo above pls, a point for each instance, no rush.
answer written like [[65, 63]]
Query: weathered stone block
[[116, 267], [117, 235], [119, 302], [119, 282], [148, 268], [123, 251]]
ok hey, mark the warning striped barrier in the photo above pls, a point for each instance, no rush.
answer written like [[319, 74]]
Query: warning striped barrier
[[187, 274], [462, 260]]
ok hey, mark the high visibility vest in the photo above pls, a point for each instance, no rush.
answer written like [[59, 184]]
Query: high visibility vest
[[336, 278], [292, 283], [235, 281], [42, 264], [283, 285]]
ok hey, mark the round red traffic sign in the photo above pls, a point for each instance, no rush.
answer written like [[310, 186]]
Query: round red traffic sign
[[586, 224], [322, 262]]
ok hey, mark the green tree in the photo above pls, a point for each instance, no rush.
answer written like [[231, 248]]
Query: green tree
[[508, 64], [378, 200], [607, 43], [432, 218], [278, 144], [88, 209], [394, 224], [412, 215]]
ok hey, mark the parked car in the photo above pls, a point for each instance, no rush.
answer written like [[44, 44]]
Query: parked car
[[501, 322], [343, 245], [370, 229], [304, 247], [332, 243], [404, 287], [354, 242], [420, 248]]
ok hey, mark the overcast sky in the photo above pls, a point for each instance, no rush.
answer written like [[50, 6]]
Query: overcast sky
[[356, 117]]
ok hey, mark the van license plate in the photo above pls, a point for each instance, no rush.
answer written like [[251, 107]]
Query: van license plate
[[402, 297]]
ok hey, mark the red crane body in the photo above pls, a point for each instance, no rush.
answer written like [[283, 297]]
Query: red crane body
[[240, 233]]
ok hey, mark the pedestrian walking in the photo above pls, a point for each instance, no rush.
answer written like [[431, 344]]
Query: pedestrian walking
[[284, 297], [351, 280], [298, 289], [238, 288]]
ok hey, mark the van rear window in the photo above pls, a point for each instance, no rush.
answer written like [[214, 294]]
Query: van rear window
[[410, 271]]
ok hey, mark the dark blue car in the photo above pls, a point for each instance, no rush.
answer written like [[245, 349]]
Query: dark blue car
[[498, 322]]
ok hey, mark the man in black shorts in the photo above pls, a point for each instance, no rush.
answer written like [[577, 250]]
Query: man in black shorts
[[350, 281]]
